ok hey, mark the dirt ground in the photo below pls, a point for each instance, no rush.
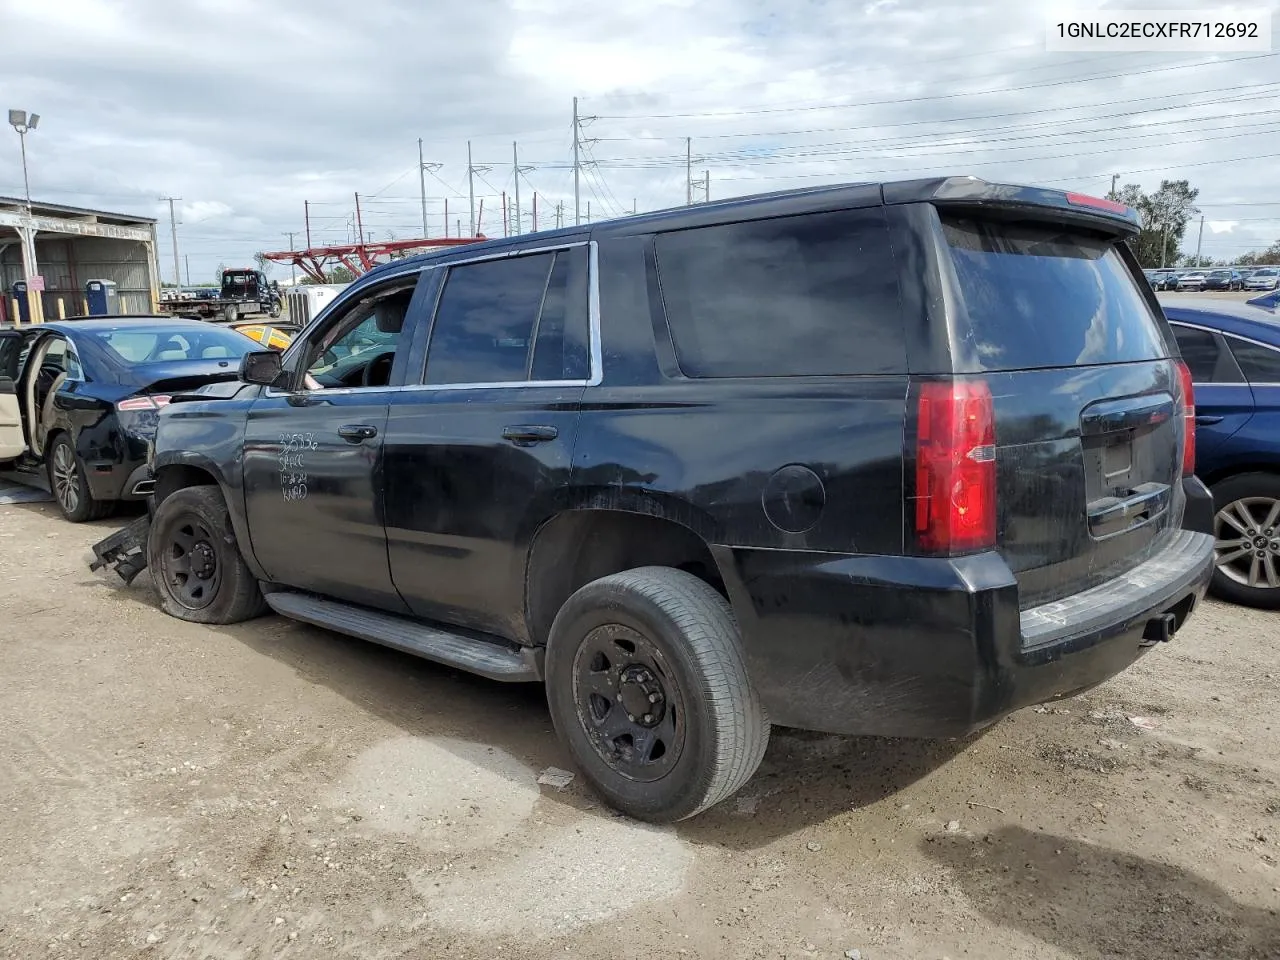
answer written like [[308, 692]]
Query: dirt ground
[[273, 790]]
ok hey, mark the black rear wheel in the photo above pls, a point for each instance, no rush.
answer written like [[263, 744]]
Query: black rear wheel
[[649, 691], [195, 562], [70, 486]]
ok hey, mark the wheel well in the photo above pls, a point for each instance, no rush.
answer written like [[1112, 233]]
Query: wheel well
[[580, 546], [172, 479], [1235, 470]]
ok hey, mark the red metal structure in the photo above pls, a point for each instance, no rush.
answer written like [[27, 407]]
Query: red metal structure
[[359, 258]]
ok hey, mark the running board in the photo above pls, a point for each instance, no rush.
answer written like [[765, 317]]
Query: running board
[[491, 659]]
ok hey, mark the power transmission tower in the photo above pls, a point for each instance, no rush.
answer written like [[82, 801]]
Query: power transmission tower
[[472, 170], [578, 143], [173, 230], [703, 186]]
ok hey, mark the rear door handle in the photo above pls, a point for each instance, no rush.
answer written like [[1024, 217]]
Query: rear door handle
[[356, 432], [524, 435], [1204, 420]]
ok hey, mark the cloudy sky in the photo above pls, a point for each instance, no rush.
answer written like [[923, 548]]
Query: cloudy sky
[[247, 109]]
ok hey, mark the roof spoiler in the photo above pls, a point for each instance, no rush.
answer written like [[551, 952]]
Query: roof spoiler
[[970, 191]]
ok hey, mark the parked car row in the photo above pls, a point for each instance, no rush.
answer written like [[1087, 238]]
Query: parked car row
[[1226, 278]]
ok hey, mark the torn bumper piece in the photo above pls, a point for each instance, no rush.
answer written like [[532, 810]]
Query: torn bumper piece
[[125, 550]]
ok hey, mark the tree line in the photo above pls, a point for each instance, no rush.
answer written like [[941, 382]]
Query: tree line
[[1165, 215]]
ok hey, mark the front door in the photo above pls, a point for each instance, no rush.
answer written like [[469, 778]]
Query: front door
[[12, 443], [479, 454], [313, 451]]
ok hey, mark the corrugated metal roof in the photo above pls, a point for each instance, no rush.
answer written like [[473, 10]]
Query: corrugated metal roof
[[42, 209]]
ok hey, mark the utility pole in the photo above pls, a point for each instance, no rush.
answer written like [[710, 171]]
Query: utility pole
[[293, 267], [576, 165], [306, 212], [422, 188], [633, 206], [588, 211], [706, 186], [471, 188], [173, 232], [1199, 239], [535, 211], [1164, 241], [359, 223], [1114, 178], [515, 160], [688, 171], [186, 262]]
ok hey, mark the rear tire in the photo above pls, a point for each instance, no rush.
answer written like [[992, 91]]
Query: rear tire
[[70, 486], [196, 563], [231, 313], [660, 640], [1247, 540]]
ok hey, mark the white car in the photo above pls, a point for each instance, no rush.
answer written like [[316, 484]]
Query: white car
[[1268, 278], [1191, 281]]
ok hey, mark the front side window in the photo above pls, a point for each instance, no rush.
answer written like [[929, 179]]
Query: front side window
[[359, 349], [513, 320]]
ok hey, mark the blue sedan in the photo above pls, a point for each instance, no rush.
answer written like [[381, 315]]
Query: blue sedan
[[1233, 350]]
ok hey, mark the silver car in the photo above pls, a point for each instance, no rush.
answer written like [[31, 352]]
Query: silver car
[[1191, 281], [1268, 278]]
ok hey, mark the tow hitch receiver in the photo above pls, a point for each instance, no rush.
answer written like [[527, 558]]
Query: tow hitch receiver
[[125, 550], [1159, 629]]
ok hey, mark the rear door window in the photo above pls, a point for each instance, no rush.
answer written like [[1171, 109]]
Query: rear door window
[[1042, 295], [813, 295]]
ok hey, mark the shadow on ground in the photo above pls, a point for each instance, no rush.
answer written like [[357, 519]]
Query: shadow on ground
[[805, 778], [1094, 902]]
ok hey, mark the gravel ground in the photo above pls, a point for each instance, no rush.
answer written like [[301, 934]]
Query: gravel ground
[[274, 790]]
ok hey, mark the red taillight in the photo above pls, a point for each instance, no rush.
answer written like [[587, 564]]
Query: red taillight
[[1084, 200], [956, 467], [146, 401], [1188, 420]]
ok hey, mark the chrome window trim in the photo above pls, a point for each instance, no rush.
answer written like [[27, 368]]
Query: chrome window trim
[[1225, 335], [595, 350]]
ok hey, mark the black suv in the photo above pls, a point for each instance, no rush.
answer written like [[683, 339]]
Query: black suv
[[870, 459]]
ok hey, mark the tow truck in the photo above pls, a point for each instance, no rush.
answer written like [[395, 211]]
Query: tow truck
[[244, 292]]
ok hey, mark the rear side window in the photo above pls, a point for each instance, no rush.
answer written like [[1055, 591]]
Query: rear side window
[[512, 320], [813, 295], [1260, 364], [1045, 296], [1207, 359]]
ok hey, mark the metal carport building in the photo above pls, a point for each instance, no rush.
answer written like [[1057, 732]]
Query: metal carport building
[[70, 246]]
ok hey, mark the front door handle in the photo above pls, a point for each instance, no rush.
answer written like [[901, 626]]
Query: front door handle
[[356, 432], [1205, 420], [524, 435]]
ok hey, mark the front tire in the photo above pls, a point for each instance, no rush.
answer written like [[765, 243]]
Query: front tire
[[1246, 531], [649, 691], [195, 562], [231, 313], [70, 486]]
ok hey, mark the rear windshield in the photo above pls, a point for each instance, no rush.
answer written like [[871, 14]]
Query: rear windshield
[[1046, 296], [152, 345]]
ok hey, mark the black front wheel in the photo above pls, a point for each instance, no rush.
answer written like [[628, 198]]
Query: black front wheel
[[195, 562], [649, 692]]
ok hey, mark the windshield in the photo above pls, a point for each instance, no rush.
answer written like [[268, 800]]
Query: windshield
[[136, 346], [1048, 296], [1264, 273]]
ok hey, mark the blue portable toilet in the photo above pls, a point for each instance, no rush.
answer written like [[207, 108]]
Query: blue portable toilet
[[101, 298], [24, 307]]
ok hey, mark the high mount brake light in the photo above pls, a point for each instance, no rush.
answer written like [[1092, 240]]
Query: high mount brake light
[[956, 467], [1100, 203]]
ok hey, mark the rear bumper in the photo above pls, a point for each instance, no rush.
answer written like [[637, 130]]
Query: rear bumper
[[895, 646]]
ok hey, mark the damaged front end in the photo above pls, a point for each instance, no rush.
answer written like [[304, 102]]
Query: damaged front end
[[125, 551]]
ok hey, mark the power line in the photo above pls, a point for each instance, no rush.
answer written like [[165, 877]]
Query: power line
[[939, 96]]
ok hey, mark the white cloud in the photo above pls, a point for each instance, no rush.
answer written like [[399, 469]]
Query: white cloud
[[246, 110]]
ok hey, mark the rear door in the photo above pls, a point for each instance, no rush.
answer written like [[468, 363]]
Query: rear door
[[1088, 421], [1224, 400], [479, 454], [12, 442]]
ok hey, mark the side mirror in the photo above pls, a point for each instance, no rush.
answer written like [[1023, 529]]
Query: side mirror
[[262, 367]]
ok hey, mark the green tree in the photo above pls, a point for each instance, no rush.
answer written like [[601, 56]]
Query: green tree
[[1165, 215], [1271, 255], [336, 275]]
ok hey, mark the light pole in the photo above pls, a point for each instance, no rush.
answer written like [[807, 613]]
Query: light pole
[[24, 123]]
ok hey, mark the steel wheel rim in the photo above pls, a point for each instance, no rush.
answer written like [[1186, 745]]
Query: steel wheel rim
[[1247, 542], [189, 564], [66, 478], [617, 672]]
